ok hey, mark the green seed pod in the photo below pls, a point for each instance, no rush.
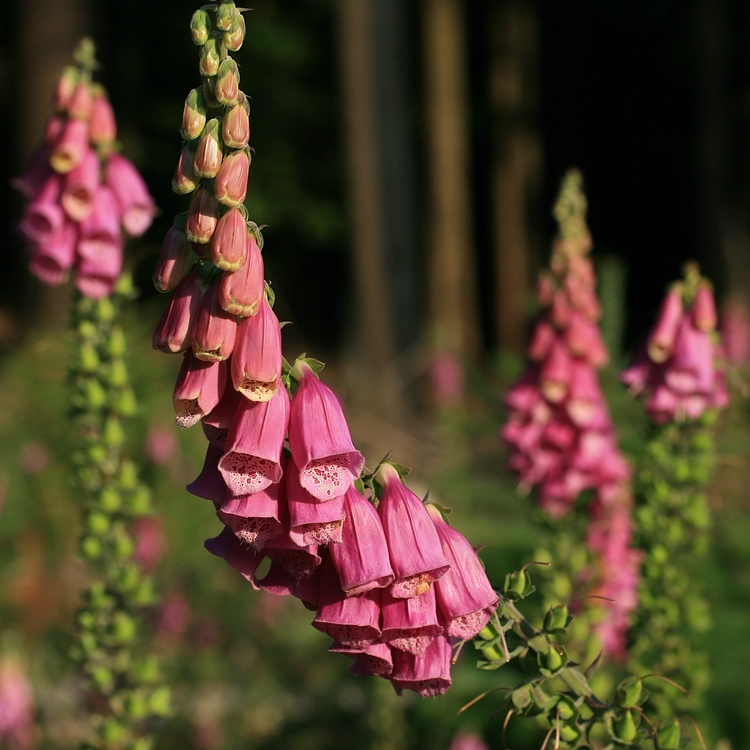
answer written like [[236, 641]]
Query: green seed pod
[[565, 708], [89, 643], [147, 671], [143, 595], [552, 659], [112, 731], [129, 577], [86, 329], [124, 545], [516, 584], [625, 727], [86, 619], [629, 692], [96, 453], [225, 15], [139, 503], [210, 58], [193, 115], [109, 499], [668, 736], [105, 309], [200, 27], [522, 697], [569, 733], [492, 653], [127, 477], [556, 619]]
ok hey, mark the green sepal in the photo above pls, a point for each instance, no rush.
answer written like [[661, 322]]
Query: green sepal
[[557, 619], [629, 692], [225, 15]]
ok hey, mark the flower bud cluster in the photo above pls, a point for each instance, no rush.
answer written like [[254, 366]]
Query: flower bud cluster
[[390, 585], [559, 432], [680, 369], [82, 194]]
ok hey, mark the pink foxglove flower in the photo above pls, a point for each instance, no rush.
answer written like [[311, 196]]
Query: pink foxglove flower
[[255, 443], [319, 439], [310, 521], [241, 557], [174, 261], [214, 331], [80, 187], [199, 388], [44, 216], [254, 519], [242, 292], [98, 273], [137, 208], [103, 126], [468, 741], [427, 674], [229, 244], [376, 659], [16, 706], [209, 484], [299, 562], [52, 259], [410, 624], [416, 554], [174, 329], [70, 147]]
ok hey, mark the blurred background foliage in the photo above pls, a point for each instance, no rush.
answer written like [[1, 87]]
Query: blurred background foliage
[[425, 139]]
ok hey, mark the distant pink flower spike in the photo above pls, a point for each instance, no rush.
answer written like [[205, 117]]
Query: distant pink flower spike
[[541, 341], [428, 674], [555, 373], [36, 174], [136, 204], [103, 125], [16, 707], [43, 217], [70, 147], [53, 259], [361, 560], [320, 441], [199, 388], [468, 741], [80, 187], [661, 341], [703, 309], [255, 443], [100, 230], [98, 274]]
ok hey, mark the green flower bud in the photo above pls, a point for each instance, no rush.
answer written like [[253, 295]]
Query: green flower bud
[[516, 584], [113, 433], [569, 733], [98, 523], [124, 545], [143, 595], [97, 453], [668, 736], [95, 395], [629, 692], [124, 286], [88, 359], [159, 702], [209, 58], [200, 27], [123, 627], [109, 499], [136, 706], [129, 577], [105, 309], [225, 15], [86, 329], [86, 619], [113, 732], [556, 619], [124, 403], [625, 727], [118, 374], [117, 343], [193, 115], [522, 697], [682, 469], [227, 89], [127, 477], [91, 548], [139, 503], [234, 38], [147, 671], [565, 708], [89, 643], [552, 660]]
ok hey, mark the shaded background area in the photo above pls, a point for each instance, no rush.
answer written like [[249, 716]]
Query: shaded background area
[[406, 158]]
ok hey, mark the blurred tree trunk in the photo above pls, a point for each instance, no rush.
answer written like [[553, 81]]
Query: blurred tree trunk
[[49, 32], [514, 46], [375, 347], [452, 304]]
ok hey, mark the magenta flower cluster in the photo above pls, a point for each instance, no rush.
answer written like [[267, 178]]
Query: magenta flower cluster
[[393, 585], [559, 432], [82, 194], [16, 706], [680, 369]]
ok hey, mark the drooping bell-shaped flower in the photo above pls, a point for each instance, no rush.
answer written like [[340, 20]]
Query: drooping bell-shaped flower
[[100, 230], [319, 439], [53, 258], [241, 292], [44, 216], [242, 558], [255, 443], [410, 624], [361, 560], [136, 204], [414, 547], [229, 243], [254, 519], [465, 597], [352, 621], [256, 360], [98, 274], [300, 562], [427, 674], [661, 342], [199, 388], [80, 187], [209, 484], [215, 331], [173, 331], [310, 521], [216, 424], [70, 147], [376, 659], [174, 261], [102, 126], [705, 317]]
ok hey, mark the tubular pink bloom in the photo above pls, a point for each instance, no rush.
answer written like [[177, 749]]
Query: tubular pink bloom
[[637, 376], [43, 217], [352, 621], [174, 262], [52, 132], [468, 741], [410, 624], [70, 147], [210, 484], [585, 399], [541, 341], [376, 659], [173, 331], [203, 215], [361, 560], [241, 557], [65, 86], [98, 274], [16, 707], [524, 395], [414, 547], [241, 292], [256, 360], [136, 204], [559, 435], [662, 404], [585, 340], [235, 129], [320, 441], [661, 342], [428, 674], [255, 445], [691, 368], [555, 373], [199, 388], [231, 179], [36, 174], [703, 309], [310, 521], [214, 331], [216, 424], [81, 102], [229, 244], [81, 186], [559, 311], [100, 230], [280, 582], [53, 259], [208, 155], [103, 126], [254, 519], [465, 598], [299, 562], [545, 289], [185, 179], [446, 378]]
